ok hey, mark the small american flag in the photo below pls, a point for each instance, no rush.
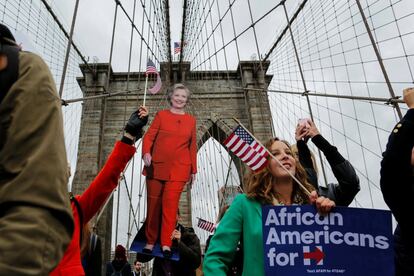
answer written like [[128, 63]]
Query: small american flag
[[177, 47], [157, 86], [206, 225], [151, 69], [247, 148]]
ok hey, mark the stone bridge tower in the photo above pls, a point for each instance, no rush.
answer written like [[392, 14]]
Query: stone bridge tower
[[217, 97]]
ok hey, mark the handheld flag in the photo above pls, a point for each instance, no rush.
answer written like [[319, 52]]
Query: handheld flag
[[151, 69], [247, 148], [206, 225], [157, 86]]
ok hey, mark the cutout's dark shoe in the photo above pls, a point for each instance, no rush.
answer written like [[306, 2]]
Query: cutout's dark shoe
[[146, 250], [167, 254]]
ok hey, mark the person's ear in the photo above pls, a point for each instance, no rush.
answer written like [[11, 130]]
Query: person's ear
[[412, 157], [3, 62]]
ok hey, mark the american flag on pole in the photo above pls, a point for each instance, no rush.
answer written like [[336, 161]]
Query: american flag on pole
[[151, 69], [177, 47], [206, 225], [247, 148], [157, 86]]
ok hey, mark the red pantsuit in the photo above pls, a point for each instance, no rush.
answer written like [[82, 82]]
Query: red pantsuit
[[163, 198], [171, 140]]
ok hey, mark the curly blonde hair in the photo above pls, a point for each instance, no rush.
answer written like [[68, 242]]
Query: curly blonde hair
[[259, 186]]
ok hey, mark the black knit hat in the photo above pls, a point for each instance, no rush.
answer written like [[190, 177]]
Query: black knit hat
[[6, 36]]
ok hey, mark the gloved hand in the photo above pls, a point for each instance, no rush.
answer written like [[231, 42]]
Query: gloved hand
[[137, 121]]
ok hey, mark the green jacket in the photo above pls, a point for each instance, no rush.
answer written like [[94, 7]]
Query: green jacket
[[242, 219]]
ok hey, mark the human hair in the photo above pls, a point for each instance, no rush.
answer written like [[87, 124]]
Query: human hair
[[259, 186], [176, 87], [136, 261]]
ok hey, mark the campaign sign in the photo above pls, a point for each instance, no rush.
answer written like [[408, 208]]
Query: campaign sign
[[348, 241]]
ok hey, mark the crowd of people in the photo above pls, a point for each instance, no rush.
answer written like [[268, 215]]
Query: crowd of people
[[44, 231]]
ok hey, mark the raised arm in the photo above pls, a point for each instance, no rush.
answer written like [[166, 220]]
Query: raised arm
[[106, 181], [348, 186], [304, 154]]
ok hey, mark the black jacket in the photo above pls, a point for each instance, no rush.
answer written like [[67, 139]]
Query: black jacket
[[347, 187], [397, 186], [122, 267], [190, 256], [92, 261]]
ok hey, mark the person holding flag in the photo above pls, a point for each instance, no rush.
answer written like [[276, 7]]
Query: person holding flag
[[169, 151], [281, 181]]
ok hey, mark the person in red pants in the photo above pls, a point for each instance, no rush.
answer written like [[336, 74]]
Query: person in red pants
[[169, 150], [86, 205]]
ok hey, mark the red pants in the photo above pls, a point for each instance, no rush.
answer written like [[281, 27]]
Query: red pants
[[162, 202]]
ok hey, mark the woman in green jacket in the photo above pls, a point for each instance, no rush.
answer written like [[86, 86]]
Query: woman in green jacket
[[243, 221]]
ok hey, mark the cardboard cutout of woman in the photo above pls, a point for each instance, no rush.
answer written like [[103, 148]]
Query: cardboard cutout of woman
[[169, 150]]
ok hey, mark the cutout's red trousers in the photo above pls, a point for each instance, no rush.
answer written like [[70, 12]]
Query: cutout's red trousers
[[162, 205]]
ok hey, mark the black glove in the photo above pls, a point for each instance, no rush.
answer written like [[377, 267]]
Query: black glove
[[135, 124]]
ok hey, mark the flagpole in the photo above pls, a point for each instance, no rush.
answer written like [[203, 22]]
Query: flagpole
[[145, 90], [271, 155]]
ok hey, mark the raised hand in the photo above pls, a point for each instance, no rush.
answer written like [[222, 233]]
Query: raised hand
[[312, 130], [301, 132], [137, 121]]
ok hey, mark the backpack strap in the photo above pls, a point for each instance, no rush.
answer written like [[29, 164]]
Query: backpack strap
[[79, 209], [10, 74]]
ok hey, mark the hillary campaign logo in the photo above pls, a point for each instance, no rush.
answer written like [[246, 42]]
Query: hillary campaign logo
[[349, 241]]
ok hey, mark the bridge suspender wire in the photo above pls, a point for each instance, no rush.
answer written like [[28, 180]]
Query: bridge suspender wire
[[185, 2], [244, 84], [305, 89], [65, 65], [240, 34], [69, 37], [378, 55], [125, 118], [103, 114]]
